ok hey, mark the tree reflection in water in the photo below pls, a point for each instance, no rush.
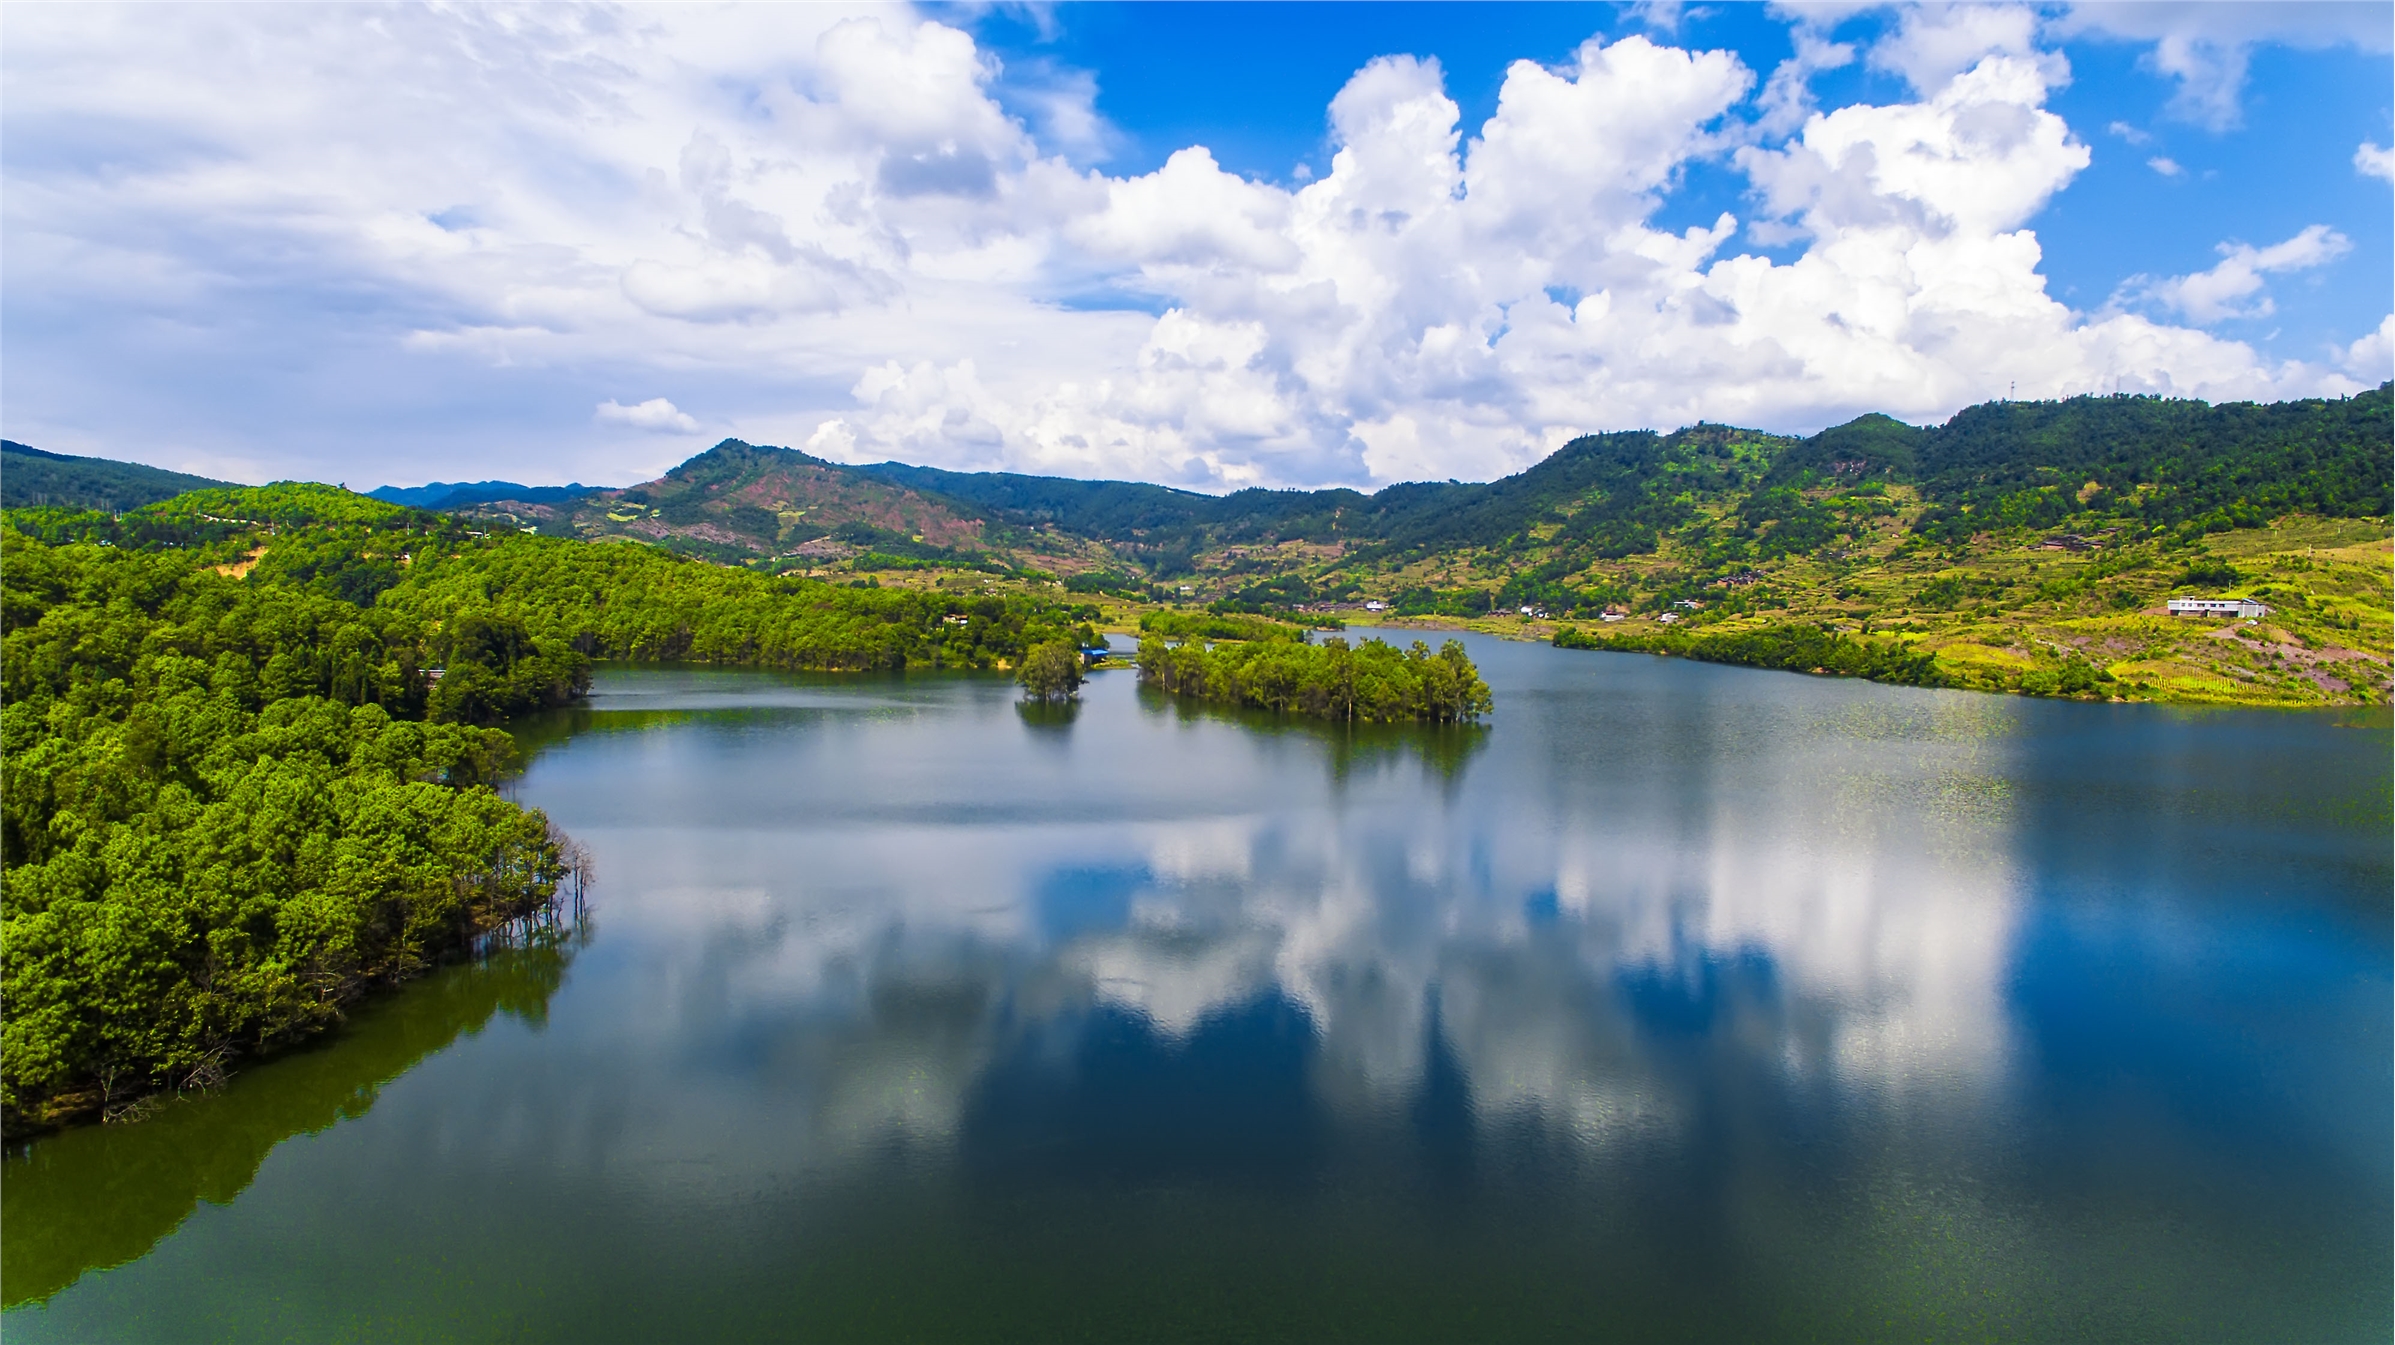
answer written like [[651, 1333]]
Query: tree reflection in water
[[1352, 751], [100, 1196]]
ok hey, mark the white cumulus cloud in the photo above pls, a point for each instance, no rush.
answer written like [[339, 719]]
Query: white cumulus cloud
[[1932, 43], [656, 414], [2371, 360], [2374, 160], [1787, 97], [2206, 46], [2234, 288], [465, 219]]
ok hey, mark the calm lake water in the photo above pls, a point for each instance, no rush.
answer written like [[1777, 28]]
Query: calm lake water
[[1681, 1002]]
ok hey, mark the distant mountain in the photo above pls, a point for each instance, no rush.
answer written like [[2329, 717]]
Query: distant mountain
[[1160, 516], [1710, 497], [459, 494], [1598, 498], [739, 501], [30, 476], [2033, 462], [741, 497]]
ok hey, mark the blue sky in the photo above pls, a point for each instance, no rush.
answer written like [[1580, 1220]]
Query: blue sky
[[1252, 86], [1215, 245]]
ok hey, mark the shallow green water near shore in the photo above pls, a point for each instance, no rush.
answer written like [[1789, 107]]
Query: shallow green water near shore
[[1681, 1002]]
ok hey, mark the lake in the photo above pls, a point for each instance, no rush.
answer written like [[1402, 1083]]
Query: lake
[[1679, 1003]]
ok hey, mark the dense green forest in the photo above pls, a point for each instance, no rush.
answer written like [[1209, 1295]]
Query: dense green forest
[[634, 602], [248, 752], [206, 853], [29, 476], [1372, 682]]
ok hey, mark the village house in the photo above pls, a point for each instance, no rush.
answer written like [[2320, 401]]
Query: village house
[[2244, 607]]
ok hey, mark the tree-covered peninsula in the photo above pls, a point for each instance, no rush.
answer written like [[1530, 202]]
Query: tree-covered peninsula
[[248, 747]]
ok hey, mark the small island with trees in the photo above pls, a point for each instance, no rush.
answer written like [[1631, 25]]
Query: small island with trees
[[1372, 682]]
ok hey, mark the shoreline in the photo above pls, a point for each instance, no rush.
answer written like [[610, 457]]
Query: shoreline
[[1960, 673]]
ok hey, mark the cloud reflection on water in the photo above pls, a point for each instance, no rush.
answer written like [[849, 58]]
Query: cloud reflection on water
[[1829, 896], [1685, 1003]]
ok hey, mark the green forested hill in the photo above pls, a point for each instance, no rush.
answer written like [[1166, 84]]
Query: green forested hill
[[2037, 464], [1609, 495], [29, 476], [2006, 464], [1709, 502], [2019, 546], [744, 502]]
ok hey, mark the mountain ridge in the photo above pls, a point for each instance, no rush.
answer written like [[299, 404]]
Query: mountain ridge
[[34, 476], [1599, 499], [459, 494]]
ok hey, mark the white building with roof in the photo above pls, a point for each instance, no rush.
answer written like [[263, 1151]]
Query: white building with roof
[[2230, 607]]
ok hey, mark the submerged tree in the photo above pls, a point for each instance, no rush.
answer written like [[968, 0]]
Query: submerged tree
[[1051, 672]]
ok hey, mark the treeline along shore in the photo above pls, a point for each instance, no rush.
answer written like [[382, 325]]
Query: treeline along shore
[[249, 741], [1807, 649]]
